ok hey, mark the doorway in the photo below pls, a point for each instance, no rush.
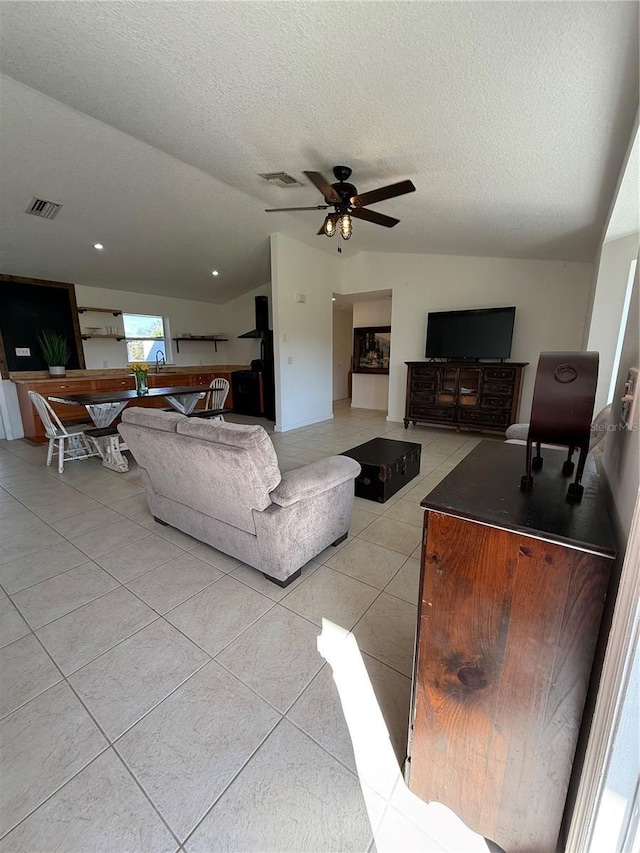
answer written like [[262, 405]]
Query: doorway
[[342, 348]]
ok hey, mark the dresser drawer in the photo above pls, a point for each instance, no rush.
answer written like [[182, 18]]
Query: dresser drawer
[[422, 399], [423, 385], [495, 403], [426, 371], [493, 388], [431, 414], [508, 373], [487, 418]]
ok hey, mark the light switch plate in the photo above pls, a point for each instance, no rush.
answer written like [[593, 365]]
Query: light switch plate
[[24, 351]]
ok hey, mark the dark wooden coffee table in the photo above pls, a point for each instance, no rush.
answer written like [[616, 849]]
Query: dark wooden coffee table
[[387, 466]]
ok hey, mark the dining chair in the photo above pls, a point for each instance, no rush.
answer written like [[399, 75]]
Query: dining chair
[[68, 445], [216, 396]]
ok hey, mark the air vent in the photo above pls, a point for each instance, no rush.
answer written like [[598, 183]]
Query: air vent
[[43, 208], [281, 179]]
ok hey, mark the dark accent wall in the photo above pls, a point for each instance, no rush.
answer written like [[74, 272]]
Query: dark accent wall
[[29, 306]]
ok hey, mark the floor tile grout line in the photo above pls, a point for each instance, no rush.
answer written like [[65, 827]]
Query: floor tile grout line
[[226, 788], [63, 572], [109, 742], [73, 609], [349, 770], [269, 610], [57, 790], [147, 796]]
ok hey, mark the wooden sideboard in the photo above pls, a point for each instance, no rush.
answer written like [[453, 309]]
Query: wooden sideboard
[[467, 395], [511, 598], [33, 428]]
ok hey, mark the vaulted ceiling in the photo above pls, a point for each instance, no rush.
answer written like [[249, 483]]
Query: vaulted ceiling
[[151, 121]]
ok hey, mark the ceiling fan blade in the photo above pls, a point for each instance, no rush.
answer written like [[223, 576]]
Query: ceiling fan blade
[[321, 183], [383, 193], [278, 209], [374, 216]]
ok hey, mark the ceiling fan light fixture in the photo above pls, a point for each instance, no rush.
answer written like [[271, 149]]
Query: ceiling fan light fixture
[[345, 224], [329, 226]]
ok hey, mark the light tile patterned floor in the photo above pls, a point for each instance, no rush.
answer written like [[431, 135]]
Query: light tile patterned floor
[[159, 695]]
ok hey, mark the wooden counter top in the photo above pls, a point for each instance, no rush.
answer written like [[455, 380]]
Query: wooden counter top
[[29, 376]]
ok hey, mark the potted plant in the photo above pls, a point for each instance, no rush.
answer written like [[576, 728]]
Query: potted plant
[[56, 351]]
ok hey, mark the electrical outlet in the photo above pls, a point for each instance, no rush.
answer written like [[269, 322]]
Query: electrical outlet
[[105, 363], [24, 351], [289, 359]]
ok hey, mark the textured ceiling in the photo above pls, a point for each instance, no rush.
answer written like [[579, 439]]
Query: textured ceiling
[[512, 119]]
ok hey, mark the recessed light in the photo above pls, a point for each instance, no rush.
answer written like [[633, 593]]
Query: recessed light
[[98, 246], [215, 272]]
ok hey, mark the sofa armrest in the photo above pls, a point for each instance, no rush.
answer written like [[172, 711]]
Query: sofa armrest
[[519, 432], [314, 479]]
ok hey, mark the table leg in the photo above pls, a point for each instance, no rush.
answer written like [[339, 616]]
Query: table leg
[[184, 403], [112, 458], [103, 415]]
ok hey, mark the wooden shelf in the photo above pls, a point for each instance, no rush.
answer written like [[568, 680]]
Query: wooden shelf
[[115, 311], [106, 337], [215, 340]]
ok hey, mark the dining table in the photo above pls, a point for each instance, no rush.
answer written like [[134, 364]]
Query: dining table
[[104, 407]]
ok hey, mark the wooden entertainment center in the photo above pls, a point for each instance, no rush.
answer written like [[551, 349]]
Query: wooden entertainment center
[[465, 394]]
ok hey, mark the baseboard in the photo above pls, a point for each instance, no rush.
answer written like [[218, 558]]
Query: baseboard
[[298, 424]]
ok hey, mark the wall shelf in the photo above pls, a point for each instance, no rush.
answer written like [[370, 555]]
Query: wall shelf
[[115, 311], [212, 338], [106, 337]]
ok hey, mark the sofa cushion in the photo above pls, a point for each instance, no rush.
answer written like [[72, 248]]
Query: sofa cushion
[[152, 418], [250, 437], [314, 479]]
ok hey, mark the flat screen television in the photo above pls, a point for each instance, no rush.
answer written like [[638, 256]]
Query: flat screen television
[[484, 333]]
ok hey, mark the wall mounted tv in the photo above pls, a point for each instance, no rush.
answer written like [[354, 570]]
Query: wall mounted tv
[[484, 333]]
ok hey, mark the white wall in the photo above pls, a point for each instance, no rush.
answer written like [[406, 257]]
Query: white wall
[[551, 299], [611, 285], [621, 460], [342, 349], [197, 318], [302, 331], [371, 391], [239, 316]]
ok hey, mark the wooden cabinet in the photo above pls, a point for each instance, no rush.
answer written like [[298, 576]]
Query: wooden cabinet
[[511, 597], [34, 430], [463, 394]]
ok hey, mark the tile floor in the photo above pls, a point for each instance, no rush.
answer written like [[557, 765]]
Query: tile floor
[[159, 695]]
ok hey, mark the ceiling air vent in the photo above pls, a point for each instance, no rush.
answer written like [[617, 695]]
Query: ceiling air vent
[[43, 208], [281, 179]]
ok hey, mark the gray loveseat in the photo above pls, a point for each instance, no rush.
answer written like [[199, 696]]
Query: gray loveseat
[[221, 483]]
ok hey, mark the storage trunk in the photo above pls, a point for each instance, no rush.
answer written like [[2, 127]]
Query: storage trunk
[[387, 466]]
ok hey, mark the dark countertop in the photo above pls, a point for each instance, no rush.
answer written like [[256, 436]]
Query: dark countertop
[[485, 487]]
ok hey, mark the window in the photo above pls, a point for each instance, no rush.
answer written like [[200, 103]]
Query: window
[[146, 336]]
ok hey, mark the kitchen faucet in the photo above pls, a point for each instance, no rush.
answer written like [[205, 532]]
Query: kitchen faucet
[[160, 361]]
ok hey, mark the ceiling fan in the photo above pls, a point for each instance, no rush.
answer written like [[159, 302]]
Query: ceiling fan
[[347, 204]]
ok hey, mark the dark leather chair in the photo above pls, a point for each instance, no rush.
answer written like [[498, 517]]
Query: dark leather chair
[[561, 412]]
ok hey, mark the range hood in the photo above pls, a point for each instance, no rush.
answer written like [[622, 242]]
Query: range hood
[[262, 319]]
